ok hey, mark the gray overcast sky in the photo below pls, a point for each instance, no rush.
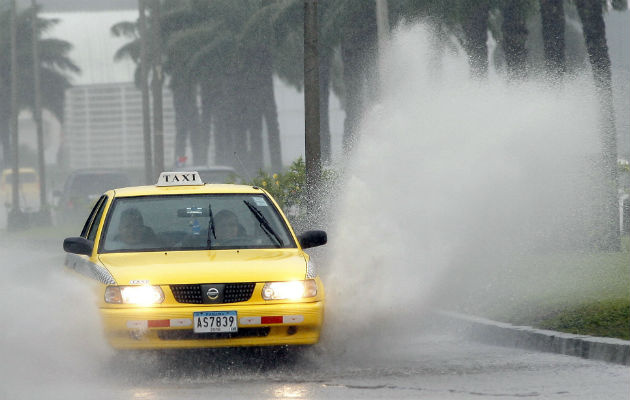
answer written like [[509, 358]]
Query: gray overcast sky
[[82, 5], [93, 44]]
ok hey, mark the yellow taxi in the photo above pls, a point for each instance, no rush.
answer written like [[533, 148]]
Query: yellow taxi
[[183, 264]]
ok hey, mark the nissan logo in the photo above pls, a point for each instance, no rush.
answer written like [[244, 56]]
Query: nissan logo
[[212, 293]]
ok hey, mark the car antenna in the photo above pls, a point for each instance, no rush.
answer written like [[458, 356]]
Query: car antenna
[[249, 178]]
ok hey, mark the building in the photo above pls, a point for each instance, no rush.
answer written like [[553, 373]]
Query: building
[[103, 126]]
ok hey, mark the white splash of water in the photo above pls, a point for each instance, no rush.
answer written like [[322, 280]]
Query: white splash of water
[[447, 171], [51, 341]]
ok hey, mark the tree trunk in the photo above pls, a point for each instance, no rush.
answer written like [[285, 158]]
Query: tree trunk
[[591, 15], [156, 88], [222, 141], [475, 27], [238, 98], [552, 14], [5, 131], [254, 127], [270, 113], [198, 138], [14, 213], [207, 107], [181, 122], [44, 212], [223, 148], [324, 103], [353, 102], [514, 36], [312, 146], [16, 219], [358, 44], [144, 89]]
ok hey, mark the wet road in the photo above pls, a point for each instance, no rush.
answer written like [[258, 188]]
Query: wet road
[[52, 350]]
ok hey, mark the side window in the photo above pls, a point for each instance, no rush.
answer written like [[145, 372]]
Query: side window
[[94, 215], [97, 220]]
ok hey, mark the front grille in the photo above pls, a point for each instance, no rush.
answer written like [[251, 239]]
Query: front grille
[[187, 293], [235, 292], [187, 334], [232, 293]]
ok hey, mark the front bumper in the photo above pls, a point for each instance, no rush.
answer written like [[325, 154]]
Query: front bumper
[[259, 325]]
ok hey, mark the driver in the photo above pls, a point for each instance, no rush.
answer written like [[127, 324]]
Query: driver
[[132, 232], [227, 226]]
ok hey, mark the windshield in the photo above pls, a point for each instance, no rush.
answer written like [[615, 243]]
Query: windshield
[[181, 222]]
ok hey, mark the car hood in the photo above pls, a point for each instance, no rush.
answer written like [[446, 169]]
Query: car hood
[[216, 266]]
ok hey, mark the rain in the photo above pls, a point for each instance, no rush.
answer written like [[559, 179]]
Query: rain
[[455, 177]]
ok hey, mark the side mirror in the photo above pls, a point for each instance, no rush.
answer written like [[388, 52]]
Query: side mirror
[[78, 245], [312, 239]]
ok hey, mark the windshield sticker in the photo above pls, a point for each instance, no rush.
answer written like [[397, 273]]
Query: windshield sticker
[[260, 202]]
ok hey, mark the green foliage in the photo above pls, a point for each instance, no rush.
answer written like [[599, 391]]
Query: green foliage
[[287, 188], [603, 318]]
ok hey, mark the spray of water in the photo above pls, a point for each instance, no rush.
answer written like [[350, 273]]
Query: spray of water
[[51, 339], [450, 174]]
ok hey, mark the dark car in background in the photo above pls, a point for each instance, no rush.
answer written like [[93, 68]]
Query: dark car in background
[[82, 188]]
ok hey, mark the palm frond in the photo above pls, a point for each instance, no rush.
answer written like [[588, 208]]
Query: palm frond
[[125, 29], [182, 45], [216, 57], [129, 50]]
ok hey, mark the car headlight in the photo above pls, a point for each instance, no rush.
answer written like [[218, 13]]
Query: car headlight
[[141, 295], [292, 290]]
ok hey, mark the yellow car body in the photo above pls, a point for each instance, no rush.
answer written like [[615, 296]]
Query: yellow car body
[[189, 277]]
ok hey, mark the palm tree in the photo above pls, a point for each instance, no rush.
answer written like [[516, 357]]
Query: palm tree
[[358, 48], [186, 113], [287, 20], [514, 36], [219, 52], [591, 14], [207, 49], [55, 69], [474, 21], [553, 25]]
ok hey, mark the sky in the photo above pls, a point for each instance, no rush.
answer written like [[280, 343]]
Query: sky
[[82, 5], [93, 44]]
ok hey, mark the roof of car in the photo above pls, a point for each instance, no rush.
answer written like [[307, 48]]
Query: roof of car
[[209, 188]]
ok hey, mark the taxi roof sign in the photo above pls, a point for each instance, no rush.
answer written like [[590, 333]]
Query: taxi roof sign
[[182, 178]]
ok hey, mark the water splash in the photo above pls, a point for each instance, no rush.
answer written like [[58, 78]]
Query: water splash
[[448, 174]]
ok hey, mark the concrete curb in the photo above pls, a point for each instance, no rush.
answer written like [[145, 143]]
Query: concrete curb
[[499, 333]]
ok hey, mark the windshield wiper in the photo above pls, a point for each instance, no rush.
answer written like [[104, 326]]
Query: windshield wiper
[[210, 226], [264, 224]]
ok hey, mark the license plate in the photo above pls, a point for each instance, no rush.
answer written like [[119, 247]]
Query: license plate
[[215, 321]]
